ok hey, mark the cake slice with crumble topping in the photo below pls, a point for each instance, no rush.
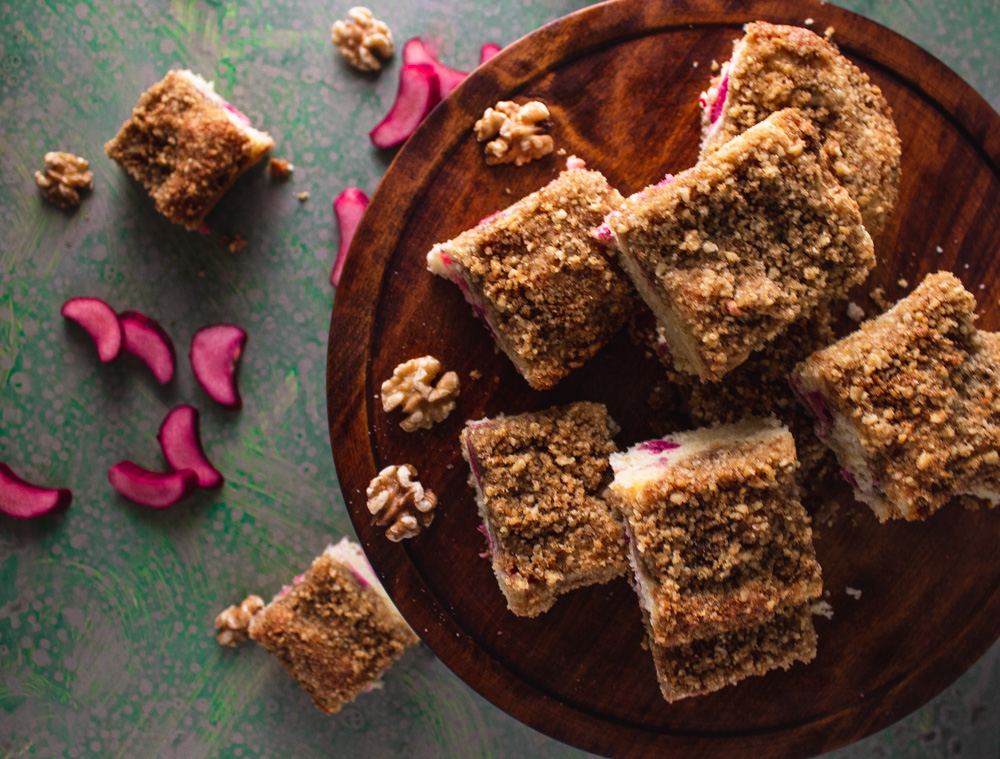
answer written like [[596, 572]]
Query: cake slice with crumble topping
[[539, 479], [187, 146], [721, 552], [910, 403], [756, 236], [775, 67], [334, 629], [549, 293]]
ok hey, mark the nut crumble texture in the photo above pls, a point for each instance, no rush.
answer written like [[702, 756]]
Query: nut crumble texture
[[64, 178], [775, 67], [513, 132], [279, 168], [411, 388], [364, 41], [233, 624], [335, 630], [753, 238], [539, 480], [721, 552], [398, 502], [910, 403], [187, 146], [549, 293]]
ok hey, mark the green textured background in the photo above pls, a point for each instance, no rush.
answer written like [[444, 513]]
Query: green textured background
[[106, 610]]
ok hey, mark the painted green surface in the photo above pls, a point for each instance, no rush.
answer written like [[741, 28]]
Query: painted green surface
[[106, 610]]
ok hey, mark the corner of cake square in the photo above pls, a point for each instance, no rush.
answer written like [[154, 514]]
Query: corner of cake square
[[186, 146], [910, 403], [334, 629], [540, 482], [721, 552], [548, 291], [732, 251]]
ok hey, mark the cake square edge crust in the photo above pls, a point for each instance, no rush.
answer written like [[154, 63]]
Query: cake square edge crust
[[187, 146], [334, 630], [539, 479], [549, 293]]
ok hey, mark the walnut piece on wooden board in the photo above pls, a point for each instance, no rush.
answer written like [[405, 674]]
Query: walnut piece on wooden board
[[65, 176], [232, 624], [397, 501], [514, 132], [364, 41], [411, 388]]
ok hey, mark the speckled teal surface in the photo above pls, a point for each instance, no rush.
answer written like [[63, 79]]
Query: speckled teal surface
[[106, 610]]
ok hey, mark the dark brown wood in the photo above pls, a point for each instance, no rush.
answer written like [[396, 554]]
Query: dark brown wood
[[621, 82]]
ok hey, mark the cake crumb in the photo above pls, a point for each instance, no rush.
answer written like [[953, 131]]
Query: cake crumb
[[822, 609], [279, 168], [233, 243], [303, 197], [475, 374], [809, 22], [364, 41], [878, 298], [855, 312], [938, 249], [853, 592], [64, 178], [902, 283], [514, 132], [828, 33]]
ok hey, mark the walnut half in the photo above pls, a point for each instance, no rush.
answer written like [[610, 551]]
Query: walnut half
[[398, 501], [64, 177], [423, 403], [514, 132], [232, 624], [363, 40]]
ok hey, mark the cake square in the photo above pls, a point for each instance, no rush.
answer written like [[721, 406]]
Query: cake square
[[334, 629], [910, 403], [549, 293], [718, 539], [774, 67], [187, 146], [708, 664], [539, 479], [751, 239]]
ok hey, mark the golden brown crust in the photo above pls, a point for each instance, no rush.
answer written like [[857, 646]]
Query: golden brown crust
[[539, 479], [333, 633], [185, 147], [776, 67], [916, 393], [753, 238], [719, 538], [549, 292], [706, 665]]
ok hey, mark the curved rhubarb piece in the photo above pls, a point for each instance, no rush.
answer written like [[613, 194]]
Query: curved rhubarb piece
[[487, 51], [157, 490], [215, 349], [349, 207], [145, 338], [23, 500], [416, 51], [419, 91], [101, 323], [180, 439]]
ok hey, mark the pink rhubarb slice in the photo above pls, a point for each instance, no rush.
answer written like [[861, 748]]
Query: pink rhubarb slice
[[416, 51], [419, 91], [157, 490], [146, 339], [180, 439], [23, 500], [349, 207], [215, 349], [101, 323], [487, 51]]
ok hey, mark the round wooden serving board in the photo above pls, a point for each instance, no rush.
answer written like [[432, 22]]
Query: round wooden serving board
[[622, 81]]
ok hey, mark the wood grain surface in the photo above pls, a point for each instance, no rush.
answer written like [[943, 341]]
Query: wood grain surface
[[622, 81]]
